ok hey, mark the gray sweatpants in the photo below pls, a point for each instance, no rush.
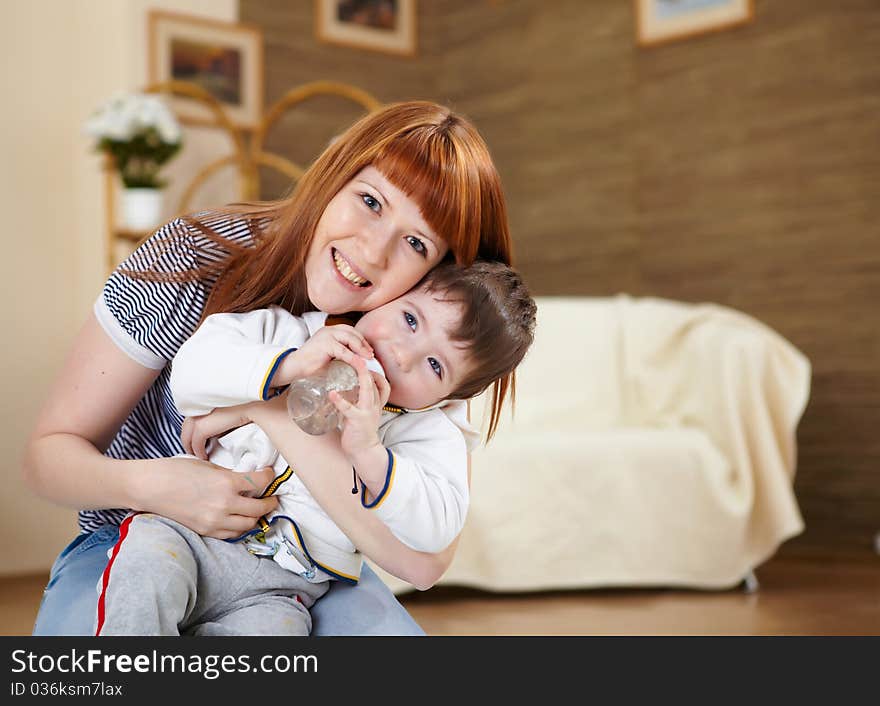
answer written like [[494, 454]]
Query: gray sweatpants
[[165, 579]]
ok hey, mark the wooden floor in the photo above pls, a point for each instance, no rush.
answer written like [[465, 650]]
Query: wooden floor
[[796, 597]]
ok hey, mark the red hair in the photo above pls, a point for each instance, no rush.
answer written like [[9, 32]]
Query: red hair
[[427, 151]]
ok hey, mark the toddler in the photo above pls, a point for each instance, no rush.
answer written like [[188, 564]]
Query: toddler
[[407, 438]]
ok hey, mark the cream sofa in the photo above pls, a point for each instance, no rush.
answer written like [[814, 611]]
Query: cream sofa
[[653, 444]]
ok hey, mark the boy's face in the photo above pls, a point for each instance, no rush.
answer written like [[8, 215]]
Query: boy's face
[[409, 338]]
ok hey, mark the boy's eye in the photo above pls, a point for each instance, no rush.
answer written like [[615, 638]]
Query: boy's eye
[[436, 367], [410, 320], [417, 245], [372, 204]]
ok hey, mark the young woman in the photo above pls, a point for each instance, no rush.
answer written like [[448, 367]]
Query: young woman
[[403, 189]]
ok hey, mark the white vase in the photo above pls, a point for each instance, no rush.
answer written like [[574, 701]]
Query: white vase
[[141, 208]]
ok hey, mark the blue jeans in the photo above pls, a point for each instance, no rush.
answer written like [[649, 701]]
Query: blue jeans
[[70, 600]]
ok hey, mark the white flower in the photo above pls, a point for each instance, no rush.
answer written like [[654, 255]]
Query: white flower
[[125, 116], [127, 127], [166, 124]]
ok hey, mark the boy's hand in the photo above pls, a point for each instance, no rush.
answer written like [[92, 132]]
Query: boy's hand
[[341, 341], [196, 432], [360, 422]]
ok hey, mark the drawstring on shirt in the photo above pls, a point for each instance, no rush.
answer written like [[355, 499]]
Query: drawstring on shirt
[[354, 489]]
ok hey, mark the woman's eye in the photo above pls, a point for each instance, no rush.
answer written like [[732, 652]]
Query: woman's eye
[[417, 245], [410, 320], [372, 204], [436, 367]]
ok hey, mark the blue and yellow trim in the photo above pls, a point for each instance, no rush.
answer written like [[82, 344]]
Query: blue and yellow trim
[[389, 481], [280, 479], [271, 489], [266, 525], [302, 545], [267, 380]]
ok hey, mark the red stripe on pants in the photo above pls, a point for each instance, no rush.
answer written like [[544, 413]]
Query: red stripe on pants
[[105, 578]]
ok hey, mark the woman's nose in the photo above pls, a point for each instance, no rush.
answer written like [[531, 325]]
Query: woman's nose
[[376, 244]]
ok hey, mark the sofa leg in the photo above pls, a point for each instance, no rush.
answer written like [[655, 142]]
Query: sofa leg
[[750, 583]]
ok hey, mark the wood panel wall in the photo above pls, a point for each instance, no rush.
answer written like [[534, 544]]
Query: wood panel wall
[[741, 168]]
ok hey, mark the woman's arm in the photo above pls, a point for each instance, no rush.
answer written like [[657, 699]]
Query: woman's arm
[[323, 467], [94, 393]]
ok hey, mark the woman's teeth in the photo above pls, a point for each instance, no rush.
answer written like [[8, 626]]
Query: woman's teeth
[[347, 272]]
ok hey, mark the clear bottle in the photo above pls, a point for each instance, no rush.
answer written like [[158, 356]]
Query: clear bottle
[[308, 400]]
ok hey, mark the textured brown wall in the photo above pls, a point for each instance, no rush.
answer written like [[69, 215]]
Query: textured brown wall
[[741, 167]]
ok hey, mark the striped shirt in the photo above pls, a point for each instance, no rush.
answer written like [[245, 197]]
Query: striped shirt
[[149, 321]]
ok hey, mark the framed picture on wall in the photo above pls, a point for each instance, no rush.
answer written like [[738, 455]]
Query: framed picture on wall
[[661, 21], [224, 58], [380, 25]]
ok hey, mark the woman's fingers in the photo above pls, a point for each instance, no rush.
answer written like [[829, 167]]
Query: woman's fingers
[[253, 483], [239, 524], [252, 507], [204, 496], [235, 526], [250, 486]]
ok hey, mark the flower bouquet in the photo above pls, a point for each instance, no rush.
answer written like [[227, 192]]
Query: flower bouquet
[[141, 134]]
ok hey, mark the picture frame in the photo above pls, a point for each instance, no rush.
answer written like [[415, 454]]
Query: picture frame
[[662, 21], [387, 26], [225, 58]]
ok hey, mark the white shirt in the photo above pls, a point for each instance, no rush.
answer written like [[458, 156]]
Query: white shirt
[[230, 360]]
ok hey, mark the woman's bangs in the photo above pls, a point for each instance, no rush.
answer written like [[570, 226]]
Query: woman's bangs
[[433, 178]]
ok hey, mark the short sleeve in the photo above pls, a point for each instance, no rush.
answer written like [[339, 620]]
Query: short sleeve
[[149, 320]]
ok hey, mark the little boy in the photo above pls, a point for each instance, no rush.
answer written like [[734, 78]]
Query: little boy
[[446, 340]]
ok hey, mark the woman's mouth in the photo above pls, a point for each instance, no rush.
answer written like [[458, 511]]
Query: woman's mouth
[[344, 268]]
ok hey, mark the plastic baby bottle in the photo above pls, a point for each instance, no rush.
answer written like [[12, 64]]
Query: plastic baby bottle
[[308, 400]]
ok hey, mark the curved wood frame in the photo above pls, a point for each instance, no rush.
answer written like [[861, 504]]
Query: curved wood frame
[[247, 155]]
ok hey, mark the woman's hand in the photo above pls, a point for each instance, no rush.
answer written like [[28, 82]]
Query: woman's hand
[[214, 501], [341, 341], [210, 500]]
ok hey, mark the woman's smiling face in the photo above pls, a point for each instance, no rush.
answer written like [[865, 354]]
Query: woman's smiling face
[[371, 245]]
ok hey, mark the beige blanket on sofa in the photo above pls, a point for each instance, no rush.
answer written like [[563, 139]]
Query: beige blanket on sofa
[[653, 444]]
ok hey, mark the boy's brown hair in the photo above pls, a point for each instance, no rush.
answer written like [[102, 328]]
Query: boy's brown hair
[[497, 323]]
